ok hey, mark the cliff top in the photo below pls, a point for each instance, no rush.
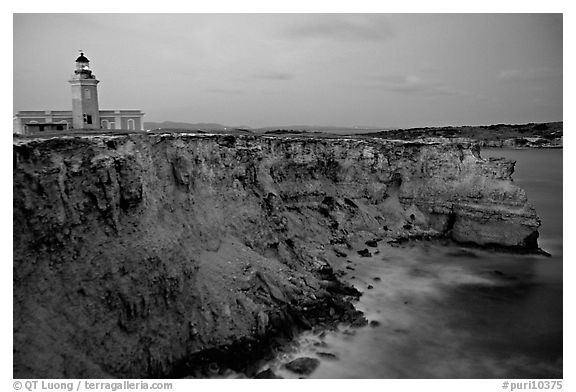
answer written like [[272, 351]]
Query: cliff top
[[497, 135], [226, 138]]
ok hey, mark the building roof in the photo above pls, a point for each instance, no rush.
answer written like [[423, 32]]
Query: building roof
[[82, 59]]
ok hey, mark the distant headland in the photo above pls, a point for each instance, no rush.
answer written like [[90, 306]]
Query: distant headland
[[529, 135]]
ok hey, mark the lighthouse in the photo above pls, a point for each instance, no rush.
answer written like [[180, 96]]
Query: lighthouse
[[85, 111]]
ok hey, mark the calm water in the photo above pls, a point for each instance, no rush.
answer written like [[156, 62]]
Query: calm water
[[451, 312]]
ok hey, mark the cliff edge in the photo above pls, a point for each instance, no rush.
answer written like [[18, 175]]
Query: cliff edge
[[143, 255]]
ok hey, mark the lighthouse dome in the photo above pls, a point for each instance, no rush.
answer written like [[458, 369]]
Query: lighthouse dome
[[82, 59]]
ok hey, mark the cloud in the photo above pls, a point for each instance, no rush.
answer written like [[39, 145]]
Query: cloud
[[528, 74], [339, 28], [412, 84]]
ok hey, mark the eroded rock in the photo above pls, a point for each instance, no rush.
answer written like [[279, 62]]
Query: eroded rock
[[304, 366], [365, 253], [135, 253]]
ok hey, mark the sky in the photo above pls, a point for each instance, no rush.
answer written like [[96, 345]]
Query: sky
[[366, 70]]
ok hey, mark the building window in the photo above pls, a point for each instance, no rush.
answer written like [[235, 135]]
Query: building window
[[104, 124], [65, 123], [88, 119], [131, 125], [111, 125]]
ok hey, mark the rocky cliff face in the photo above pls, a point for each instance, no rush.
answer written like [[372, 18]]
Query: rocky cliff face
[[135, 254]]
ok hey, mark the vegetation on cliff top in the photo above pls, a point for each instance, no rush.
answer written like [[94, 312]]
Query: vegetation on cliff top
[[547, 132]]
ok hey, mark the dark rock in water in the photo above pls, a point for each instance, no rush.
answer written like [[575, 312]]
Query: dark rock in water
[[386, 228], [266, 374], [344, 289], [304, 365], [349, 268], [372, 243], [340, 253], [374, 323], [326, 355], [370, 287], [407, 226], [213, 368], [359, 322], [377, 279], [348, 261], [542, 252], [364, 253]]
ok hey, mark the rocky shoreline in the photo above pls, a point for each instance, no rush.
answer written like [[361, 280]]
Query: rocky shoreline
[[170, 255]]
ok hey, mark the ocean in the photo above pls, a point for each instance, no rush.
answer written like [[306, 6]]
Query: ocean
[[441, 311]]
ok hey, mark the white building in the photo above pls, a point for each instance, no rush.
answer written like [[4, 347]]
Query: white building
[[85, 113]]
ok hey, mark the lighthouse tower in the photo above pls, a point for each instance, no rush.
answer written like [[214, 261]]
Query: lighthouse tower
[[85, 112]]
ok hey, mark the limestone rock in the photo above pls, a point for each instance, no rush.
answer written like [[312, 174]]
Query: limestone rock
[[364, 253], [303, 365], [133, 253]]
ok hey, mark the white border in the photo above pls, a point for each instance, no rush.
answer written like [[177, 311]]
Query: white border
[[231, 6]]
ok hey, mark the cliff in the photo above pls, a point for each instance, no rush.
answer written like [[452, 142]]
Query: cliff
[[144, 255]]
